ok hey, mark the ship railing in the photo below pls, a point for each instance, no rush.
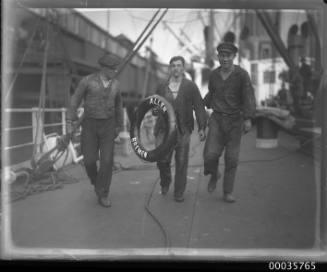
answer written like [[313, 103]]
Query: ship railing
[[37, 126]]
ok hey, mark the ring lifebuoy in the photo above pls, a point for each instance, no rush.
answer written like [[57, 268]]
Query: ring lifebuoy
[[154, 101]]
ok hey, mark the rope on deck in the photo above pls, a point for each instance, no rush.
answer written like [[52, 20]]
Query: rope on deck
[[167, 241], [27, 184], [118, 167]]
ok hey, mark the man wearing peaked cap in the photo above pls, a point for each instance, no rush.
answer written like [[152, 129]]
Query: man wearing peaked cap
[[227, 47], [231, 97], [103, 120], [110, 61]]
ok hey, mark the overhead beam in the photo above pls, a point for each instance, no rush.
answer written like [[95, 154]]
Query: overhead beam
[[190, 4]]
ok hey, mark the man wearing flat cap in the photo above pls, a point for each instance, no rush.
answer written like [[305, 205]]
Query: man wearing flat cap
[[231, 97], [102, 123]]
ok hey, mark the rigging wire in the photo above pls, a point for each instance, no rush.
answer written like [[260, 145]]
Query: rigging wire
[[131, 55], [30, 42], [146, 28], [40, 113], [181, 22], [168, 21]]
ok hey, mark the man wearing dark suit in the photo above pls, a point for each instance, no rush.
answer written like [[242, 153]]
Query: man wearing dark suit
[[185, 97]]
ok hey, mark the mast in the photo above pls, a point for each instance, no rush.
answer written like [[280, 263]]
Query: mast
[[209, 40], [108, 26]]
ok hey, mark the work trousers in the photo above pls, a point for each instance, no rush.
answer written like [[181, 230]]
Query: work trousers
[[97, 143], [225, 132], [181, 148]]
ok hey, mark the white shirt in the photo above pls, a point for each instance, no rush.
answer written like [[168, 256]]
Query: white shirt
[[174, 87], [105, 82]]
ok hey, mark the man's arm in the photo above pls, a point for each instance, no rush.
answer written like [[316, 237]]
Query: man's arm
[[208, 97], [76, 99], [249, 104], [198, 106], [248, 98], [155, 111], [119, 112]]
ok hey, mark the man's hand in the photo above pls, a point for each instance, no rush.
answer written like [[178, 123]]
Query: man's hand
[[117, 131], [156, 111], [247, 126], [69, 126], [63, 142], [202, 135], [117, 137]]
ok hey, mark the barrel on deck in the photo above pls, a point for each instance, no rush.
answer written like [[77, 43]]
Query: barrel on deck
[[267, 133]]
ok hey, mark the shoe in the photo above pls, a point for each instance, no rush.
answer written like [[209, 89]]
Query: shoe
[[104, 201], [92, 182], [207, 172], [164, 190], [229, 198], [97, 193], [179, 198], [212, 184]]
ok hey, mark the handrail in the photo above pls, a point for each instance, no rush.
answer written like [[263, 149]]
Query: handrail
[[34, 126], [34, 109], [27, 127]]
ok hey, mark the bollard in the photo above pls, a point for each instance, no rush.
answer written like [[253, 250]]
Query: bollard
[[267, 133], [125, 145]]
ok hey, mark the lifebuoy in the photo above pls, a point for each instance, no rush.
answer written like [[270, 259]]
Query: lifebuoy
[[154, 101]]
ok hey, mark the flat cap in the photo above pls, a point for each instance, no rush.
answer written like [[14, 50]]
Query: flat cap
[[227, 47], [109, 60]]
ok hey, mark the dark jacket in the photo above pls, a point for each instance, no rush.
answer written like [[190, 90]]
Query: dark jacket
[[99, 102], [187, 100], [234, 95]]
